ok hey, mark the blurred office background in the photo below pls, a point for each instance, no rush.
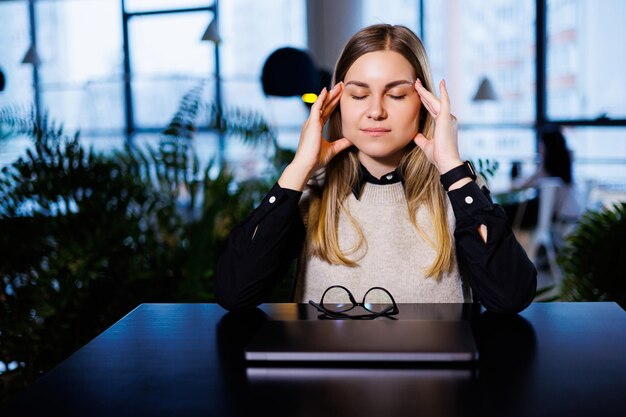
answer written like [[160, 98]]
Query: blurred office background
[[117, 70], [85, 51]]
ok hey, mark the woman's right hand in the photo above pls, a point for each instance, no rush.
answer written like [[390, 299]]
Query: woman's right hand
[[313, 150]]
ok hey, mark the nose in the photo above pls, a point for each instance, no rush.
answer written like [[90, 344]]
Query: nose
[[376, 110]]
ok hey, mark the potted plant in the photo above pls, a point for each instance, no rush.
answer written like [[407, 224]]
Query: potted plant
[[86, 236], [593, 259]]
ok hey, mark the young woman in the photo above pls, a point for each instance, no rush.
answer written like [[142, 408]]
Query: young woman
[[385, 201], [556, 162]]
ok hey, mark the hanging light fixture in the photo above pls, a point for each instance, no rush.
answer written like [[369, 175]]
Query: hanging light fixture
[[2, 80], [31, 57], [485, 91], [211, 33]]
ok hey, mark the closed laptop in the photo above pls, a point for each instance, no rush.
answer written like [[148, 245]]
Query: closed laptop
[[363, 340]]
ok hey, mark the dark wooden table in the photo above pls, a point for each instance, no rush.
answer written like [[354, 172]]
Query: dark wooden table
[[554, 359]]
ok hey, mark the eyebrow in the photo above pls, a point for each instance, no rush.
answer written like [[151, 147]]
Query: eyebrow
[[387, 86]]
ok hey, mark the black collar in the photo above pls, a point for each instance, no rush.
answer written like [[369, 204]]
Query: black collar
[[365, 176]]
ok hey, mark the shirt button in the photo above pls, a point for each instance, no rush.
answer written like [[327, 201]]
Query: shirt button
[[390, 176], [272, 199], [469, 200]]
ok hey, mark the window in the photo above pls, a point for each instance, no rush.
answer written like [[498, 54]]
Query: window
[[152, 5], [586, 59], [18, 89], [168, 58], [493, 39], [504, 145], [599, 153], [251, 30], [14, 42], [501, 48], [399, 12], [80, 45]]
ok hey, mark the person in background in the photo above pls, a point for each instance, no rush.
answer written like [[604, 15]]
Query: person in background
[[386, 201], [555, 162]]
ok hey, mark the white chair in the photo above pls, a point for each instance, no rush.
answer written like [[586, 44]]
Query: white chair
[[542, 235]]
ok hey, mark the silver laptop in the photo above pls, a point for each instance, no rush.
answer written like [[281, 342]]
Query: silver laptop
[[381, 340]]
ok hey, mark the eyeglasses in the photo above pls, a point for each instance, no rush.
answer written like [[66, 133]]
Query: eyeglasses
[[377, 301]]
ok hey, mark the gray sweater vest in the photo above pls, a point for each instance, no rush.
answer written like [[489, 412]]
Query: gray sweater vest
[[394, 255]]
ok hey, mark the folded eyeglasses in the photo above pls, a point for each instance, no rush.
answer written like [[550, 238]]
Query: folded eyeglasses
[[377, 301]]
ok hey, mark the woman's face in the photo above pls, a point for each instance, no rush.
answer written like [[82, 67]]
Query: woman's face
[[380, 107]]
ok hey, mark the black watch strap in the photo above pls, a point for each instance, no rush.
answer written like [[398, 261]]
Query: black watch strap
[[457, 173]]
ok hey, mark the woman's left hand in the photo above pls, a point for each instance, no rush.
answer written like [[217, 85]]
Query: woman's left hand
[[442, 150]]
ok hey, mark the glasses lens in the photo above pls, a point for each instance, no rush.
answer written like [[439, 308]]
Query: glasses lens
[[337, 300], [377, 301]]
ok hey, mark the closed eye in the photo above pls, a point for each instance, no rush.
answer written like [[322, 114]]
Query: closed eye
[[402, 97]]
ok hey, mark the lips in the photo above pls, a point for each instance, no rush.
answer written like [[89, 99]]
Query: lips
[[375, 131]]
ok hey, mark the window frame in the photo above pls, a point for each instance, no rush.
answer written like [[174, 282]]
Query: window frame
[[541, 121]]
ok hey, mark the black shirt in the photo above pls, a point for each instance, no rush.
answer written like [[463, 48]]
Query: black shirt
[[261, 249]]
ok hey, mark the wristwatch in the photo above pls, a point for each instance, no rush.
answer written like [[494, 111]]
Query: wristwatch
[[457, 173]]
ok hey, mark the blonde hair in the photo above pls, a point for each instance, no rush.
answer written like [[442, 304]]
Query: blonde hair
[[421, 178]]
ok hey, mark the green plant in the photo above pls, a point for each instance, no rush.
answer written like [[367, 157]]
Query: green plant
[[593, 259], [87, 236], [485, 168]]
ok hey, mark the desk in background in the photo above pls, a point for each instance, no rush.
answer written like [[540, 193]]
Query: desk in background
[[553, 359]]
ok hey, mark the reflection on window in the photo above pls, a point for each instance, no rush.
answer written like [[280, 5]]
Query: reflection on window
[[493, 39], [586, 59]]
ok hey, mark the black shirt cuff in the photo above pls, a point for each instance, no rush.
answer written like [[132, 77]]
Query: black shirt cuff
[[281, 202], [469, 200]]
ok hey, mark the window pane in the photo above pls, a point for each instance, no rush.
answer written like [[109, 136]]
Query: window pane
[[168, 58], [14, 42], [94, 106], [469, 40], [599, 156], [80, 46], [251, 30], [150, 5], [598, 153], [586, 60], [399, 12], [504, 146]]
